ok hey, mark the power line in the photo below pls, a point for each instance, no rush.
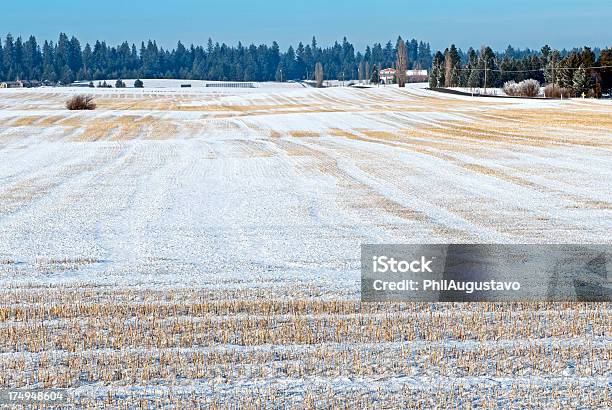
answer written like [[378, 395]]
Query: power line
[[535, 69]]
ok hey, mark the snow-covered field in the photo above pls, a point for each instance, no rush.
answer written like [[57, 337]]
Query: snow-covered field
[[202, 244]]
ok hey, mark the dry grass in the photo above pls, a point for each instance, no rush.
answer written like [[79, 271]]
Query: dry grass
[[304, 134], [26, 121], [81, 102], [64, 337]]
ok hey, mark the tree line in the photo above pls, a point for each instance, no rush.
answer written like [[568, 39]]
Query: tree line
[[581, 70], [66, 60]]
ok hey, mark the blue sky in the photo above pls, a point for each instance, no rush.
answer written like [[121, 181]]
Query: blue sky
[[560, 23]]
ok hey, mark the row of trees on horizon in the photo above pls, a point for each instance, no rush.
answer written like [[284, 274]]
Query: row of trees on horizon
[[582, 70], [66, 60]]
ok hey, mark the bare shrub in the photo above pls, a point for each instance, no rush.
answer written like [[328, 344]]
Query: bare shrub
[[555, 91], [526, 88], [319, 74], [81, 102], [529, 88], [511, 88], [416, 79]]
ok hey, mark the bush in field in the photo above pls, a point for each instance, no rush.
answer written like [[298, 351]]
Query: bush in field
[[529, 88], [319, 74], [511, 88], [526, 88], [81, 102], [555, 91], [416, 79], [138, 84], [119, 84]]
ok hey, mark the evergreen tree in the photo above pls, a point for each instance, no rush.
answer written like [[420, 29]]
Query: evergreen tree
[[18, 69], [475, 79], [580, 81], [438, 64], [487, 60], [62, 56], [2, 76], [75, 57], [9, 57], [551, 68], [32, 59], [49, 73], [472, 63], [433, 77], [567, 68], [455, 66], [434, 73], [605, 60], [375, 79], [454, 77], [413, 50]]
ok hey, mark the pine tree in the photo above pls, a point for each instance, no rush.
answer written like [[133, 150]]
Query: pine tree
[[455, 63], [66, 76], [475, 78], [49, 73], [1, 61], [454, 77], [605, 60], [433, 77], [551, 71], [32, 60], [375, 79], [580, 81], [8, 57], [567, 69], [487, 57]]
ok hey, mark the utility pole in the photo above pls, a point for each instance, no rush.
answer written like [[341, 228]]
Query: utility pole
[[553, 74], [485, 83]]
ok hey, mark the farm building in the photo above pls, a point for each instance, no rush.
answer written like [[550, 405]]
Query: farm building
[[387, 75], [83, 84], [12, 84], [20, 84]]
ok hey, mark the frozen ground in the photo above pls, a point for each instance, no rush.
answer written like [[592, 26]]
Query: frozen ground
[[189, 224]]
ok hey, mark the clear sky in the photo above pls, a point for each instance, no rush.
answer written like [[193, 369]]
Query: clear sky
[[523, 23]]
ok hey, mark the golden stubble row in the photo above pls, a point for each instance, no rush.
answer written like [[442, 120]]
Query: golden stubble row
[[115, 331], [137, 366]]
